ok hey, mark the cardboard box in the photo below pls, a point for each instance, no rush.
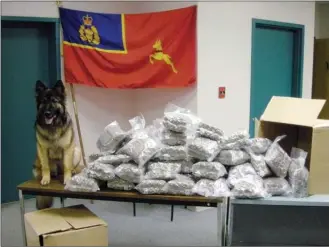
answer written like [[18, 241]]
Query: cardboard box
[[70, 226], [298, 119]]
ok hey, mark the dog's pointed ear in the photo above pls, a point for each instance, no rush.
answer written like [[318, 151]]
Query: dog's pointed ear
[[39, 87], [59, 87]]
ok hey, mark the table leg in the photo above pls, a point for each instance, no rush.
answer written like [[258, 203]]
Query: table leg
[[22, 207], [172, 212], [62, 202], [134, 208], [222, 222], [230, 224]]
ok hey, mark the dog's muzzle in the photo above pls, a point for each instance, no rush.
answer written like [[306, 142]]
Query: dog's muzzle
[[49, 117]]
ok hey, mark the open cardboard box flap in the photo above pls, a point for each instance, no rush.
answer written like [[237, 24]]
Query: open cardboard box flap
[[295, 111], [62, 219]]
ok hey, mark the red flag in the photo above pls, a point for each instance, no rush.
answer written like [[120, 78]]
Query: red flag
[[152, 50]]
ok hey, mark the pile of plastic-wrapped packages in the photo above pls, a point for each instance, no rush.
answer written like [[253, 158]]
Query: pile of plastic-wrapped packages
[[179, 154]]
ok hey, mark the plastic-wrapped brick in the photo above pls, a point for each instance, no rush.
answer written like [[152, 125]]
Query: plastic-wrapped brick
[[238, 172], [250, 186], [210, 188], [120, 184], [129, 172], [277, 186], [179, 119], [151, 187], [298, 173], [114, 159], [203, 149], [210, 132], [236, 136], [181, 185], [111, 138], [82, 183], [259, 145], [171, 153], [221, 188], [172, 166], [204, 187], [100, 171], [232, 157], [258, 163], [209, 170], [237, 145], [94, 156], [142, 147], [186, 166], [277, 159], [172, 138]]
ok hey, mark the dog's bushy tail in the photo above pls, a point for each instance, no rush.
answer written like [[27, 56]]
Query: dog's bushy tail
[[43, 202]]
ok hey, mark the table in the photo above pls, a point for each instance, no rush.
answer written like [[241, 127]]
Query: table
[[311, 201], [56, 189]]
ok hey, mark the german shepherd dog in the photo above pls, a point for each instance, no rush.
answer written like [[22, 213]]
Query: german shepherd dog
[[57, 155]]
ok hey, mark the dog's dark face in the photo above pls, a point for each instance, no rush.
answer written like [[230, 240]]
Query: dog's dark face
[[51, 110]]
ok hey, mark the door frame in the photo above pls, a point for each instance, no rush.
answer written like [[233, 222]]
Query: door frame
[[57, 28], [299, 33]]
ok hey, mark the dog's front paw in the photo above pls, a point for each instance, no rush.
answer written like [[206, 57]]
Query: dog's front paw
[[45, 180], [67, 177]]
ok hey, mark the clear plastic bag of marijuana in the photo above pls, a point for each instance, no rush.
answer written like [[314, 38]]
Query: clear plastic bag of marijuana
[[258, 163], [100, 171], [232, 157], [277, 186], [129, 172], [298, 173], [179, 119], [277, 159], [209, 170], [171, 153], [210, 132], [249, 186], [82, 183], [120, 184], [162, 170], [203, 149], [151, 187], [111, 138], [238, 172], [143, 146], [211, 188], [181, 185], [114, 159], [259, 145]]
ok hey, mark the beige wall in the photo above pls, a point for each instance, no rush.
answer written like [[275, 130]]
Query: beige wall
[[322, 20]]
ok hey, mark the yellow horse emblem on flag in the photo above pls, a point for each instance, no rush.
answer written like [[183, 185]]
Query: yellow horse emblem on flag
[[159, 55], [88, 32]]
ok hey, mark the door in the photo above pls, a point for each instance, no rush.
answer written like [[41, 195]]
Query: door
[[28, 53], [276, 64]]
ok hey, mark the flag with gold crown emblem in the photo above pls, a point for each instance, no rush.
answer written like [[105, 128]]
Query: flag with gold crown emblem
[[151, 50]]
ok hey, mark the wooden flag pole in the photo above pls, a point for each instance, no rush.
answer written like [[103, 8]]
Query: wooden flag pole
[[75, 108], [77, 122]]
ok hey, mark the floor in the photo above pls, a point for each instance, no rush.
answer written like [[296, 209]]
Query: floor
[[151, 226]]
